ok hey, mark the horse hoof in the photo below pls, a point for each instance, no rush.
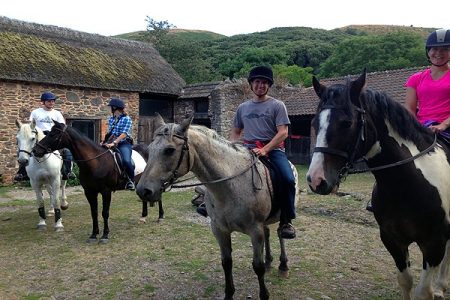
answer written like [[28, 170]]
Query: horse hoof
[[64, 207], [91, 240], [160, 220], [42, 227], [283, 273], [59, 229], [103, 241], [142, 221]]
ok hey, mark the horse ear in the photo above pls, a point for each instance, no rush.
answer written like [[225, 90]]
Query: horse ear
[[318, 87], [33, 124], [18, 123], [158, 121], [186, 123], [357, 88]]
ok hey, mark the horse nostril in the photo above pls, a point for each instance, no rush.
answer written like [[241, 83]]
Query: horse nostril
[[308, 178]]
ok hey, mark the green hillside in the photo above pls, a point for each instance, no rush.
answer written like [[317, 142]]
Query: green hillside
[[295, 53]]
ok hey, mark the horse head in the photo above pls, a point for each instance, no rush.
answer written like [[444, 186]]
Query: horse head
[[27, 137], [54, 140], [169, 159], [340, 127]]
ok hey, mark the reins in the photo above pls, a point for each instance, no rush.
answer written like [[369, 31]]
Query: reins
[[348, 168], [63, 131], [171, 181], [399, 163]]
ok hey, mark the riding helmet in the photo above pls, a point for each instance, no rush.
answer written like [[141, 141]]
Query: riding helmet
[[116, 102], [261, 72], [438, 38], [48, 96]]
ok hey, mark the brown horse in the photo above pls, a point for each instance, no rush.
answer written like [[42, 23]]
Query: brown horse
[[99, 173], [239, 191]]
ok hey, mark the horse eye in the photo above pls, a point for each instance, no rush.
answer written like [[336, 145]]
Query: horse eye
[[346, 124], [169, 151]]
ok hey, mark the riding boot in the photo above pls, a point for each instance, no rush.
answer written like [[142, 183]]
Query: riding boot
[[67, 165]]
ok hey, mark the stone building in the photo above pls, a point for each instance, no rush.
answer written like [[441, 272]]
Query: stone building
[[84, 70]]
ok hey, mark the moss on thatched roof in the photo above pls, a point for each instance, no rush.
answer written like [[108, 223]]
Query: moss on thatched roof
[[54, 55]]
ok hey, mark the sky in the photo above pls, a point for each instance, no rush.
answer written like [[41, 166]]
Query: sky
[[227, 17]]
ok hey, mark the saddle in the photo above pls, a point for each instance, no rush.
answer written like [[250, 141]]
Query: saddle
[[136, 160], [277, 184]]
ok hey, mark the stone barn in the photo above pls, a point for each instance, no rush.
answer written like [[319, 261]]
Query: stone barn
[[84, 70]]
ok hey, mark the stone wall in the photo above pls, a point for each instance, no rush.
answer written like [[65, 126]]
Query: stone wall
[[18, 99]]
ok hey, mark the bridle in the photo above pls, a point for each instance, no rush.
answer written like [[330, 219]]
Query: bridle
[[171, 181], [361, 138], [30, 154], [59, 139]]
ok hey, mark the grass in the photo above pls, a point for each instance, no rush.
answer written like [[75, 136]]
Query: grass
[[337, 254]]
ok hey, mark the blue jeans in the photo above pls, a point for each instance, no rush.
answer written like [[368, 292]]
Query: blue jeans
[[287, 205], [125, 149]]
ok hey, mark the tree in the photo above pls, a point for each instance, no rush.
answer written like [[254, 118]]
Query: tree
[[157, 30], [376, 53]]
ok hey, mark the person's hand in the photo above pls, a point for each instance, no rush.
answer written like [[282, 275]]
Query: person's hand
[[110, 145], [259, 151], [438, 128]]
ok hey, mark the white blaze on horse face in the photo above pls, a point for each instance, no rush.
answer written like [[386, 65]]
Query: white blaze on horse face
[[316, 169], [434, 167]]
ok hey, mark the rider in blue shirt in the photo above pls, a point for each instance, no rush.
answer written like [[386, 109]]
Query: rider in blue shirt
[[119, 135]]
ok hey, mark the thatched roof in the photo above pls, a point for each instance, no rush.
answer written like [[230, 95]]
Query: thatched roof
[[54, 55], [198, 90]]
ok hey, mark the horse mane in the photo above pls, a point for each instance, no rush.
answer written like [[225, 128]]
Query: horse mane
[[213, 135], [80, 136], [401, 120], [40, 133]]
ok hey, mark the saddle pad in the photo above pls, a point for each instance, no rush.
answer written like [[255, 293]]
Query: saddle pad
[[139, 162]]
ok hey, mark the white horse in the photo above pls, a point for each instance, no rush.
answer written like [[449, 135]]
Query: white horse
[[43, 172], [239, 191]]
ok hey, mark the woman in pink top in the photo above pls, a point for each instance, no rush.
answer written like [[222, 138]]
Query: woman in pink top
[[428, 92]]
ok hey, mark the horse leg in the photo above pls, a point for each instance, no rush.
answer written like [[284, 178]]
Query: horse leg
[[224, 240], [160, 211], [257, 237], [53, 191], [434, 257], [283, 269], [442, 280], [93, 203], [106, 196], [400, 255], [40, 204], [143, 218], [269, 258], [64, 203]]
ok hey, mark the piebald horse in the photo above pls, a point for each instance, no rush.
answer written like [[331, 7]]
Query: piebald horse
[[43, 172], [411, 197], [239, 190]]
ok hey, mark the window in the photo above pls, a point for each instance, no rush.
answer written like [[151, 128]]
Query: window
[[89, 128]]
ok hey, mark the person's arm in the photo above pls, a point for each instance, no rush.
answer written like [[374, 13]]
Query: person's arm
[[282, 134], [441, 127], [411, 101], [235, 134]]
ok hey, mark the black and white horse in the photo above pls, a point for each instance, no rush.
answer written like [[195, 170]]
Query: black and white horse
[[411, 197]]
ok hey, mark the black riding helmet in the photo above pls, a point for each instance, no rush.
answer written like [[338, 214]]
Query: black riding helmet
[[438, 38], [116, 102], [261, 72]]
